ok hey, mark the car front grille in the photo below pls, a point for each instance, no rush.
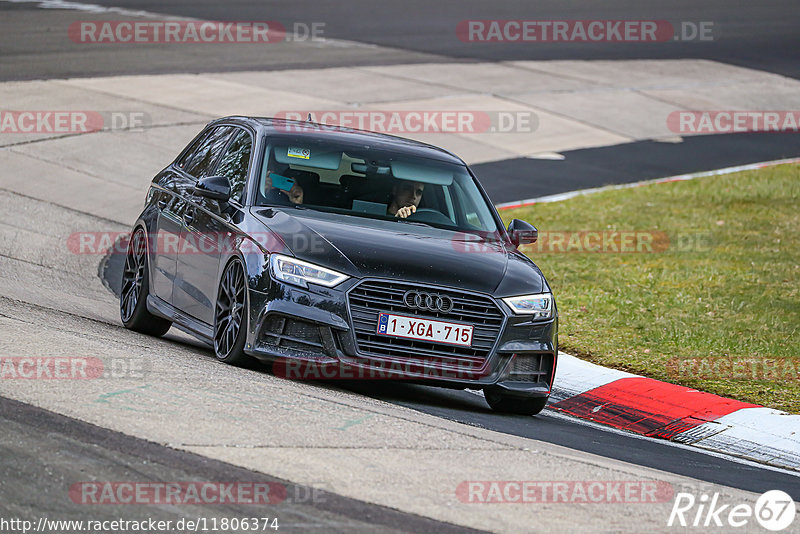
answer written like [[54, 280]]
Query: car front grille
[[371, 297]]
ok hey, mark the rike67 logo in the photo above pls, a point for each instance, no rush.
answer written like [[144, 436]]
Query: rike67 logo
[[774, 511]]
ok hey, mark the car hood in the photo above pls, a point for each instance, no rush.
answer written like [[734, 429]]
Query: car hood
[[367, 248]]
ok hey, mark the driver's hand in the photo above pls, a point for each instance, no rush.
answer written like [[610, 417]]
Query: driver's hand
[[267, 181], [406, 211], [296, 194]]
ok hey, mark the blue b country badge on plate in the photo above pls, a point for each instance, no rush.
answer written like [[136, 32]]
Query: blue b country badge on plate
[[383, 320]]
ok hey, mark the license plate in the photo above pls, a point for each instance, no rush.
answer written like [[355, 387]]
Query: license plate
[[424, 329]]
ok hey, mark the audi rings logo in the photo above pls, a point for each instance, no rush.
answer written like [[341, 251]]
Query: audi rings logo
[[428, 301]]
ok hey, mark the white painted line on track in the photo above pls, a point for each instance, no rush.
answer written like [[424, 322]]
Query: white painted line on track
[[677, 178], [90, 8], [96, 8]]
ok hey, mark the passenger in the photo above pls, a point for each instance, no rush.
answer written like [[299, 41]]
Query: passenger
[[405, 198]]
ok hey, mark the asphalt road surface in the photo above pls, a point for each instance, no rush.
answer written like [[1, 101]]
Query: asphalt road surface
[[523, 178], [44, 453], [760, 35]]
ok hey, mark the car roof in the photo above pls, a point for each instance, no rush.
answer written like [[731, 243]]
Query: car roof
[[321, 132]]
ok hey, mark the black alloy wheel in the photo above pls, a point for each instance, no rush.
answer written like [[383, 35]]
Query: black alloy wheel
[[230, 315], [135, 288]]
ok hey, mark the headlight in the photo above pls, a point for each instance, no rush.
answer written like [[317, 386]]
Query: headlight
[[540, 306], [300, 273]]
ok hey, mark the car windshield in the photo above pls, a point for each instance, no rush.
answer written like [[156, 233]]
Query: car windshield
[[363, 181]]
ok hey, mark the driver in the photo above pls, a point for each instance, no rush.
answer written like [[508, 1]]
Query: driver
[[405, 198]]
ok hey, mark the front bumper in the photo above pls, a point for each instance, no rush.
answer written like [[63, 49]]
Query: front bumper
[[314, 328]]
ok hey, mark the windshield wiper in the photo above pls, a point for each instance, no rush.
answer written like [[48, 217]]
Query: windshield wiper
[[417, 223]]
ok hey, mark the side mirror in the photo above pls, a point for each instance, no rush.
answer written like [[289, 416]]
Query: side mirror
[[213, 187], [522, 232]]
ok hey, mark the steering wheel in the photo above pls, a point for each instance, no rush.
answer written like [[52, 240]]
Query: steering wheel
[[430, 216]]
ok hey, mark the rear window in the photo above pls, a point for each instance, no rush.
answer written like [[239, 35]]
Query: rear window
[[200, 159]]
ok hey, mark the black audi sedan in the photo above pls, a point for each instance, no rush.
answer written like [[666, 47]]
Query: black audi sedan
[[333, 252]]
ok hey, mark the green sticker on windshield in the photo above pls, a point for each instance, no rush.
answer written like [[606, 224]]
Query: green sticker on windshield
[[302, 153]]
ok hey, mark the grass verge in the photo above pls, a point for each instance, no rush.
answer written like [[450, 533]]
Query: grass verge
[[713, 303]]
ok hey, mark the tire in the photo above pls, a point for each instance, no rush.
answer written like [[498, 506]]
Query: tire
[[517, 405], [135, 288], [230, 316]]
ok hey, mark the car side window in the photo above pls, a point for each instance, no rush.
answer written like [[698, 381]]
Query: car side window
[[191, 151], [201, 159], [236, 161]]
